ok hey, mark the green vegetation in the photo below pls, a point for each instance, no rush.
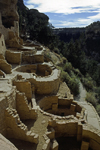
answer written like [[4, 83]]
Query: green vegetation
[[98, 109], [72, 82], [90, 97], [68, 76], [80, 52]]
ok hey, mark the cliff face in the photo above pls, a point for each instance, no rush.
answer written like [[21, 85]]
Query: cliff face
[[9, 23], [66, 34], [8, 10], [31, 22]]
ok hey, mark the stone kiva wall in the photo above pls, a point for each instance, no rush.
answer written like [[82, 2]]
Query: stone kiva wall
[[44, 79], [61, 107], [88, 136], [13, 57], [41, 70]]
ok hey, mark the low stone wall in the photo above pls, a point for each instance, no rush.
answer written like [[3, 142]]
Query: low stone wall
[[16, 129], [31, 57], [47, 102], [88, 135], [47, 87], [64, 102], [27, 68], [92, 135], [61, 107], [24, 86], [46, 146], [13, 57], [65, 128], [6, 101], [39, 58], [4, 66], [38, 69], [24, 111], [50, 136], [44, 82], [28, 56], [43, 69]]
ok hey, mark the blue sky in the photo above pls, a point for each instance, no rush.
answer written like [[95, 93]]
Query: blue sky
[[67, 13]]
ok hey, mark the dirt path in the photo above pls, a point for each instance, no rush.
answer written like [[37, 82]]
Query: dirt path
[[92, 116], [82, 95]]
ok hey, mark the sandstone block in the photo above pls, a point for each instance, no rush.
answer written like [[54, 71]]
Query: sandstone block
[[85, 145], [54, 145], [72, 107]]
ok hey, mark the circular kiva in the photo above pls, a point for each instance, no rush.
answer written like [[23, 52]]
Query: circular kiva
[[37, 69], [61, 106]]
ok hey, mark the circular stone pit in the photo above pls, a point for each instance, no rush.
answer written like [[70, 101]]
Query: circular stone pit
[[37, 69], [61, 107]]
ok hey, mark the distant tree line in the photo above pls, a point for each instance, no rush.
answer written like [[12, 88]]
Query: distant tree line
[[81, 50]]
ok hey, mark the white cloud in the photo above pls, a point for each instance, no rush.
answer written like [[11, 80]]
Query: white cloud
[[90, 19], [68, 7], [70, 24], [65, 6], [76, 22], [30, 6]]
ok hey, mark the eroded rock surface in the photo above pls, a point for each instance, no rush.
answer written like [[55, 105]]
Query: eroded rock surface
[[30, 88], [6, 144]]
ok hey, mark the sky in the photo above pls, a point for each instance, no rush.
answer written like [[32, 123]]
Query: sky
[[67, 13]]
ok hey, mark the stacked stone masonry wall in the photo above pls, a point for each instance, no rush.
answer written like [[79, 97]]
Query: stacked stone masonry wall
[[89, 136], [16, 129], [27, 68], [5, 102], [24, 111], [58, 106], [47, 87], [25, 87], [13, 57], [4, 66], [39, 58]]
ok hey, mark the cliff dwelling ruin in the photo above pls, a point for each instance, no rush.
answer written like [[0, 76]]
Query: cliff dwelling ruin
[[37, 110]]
